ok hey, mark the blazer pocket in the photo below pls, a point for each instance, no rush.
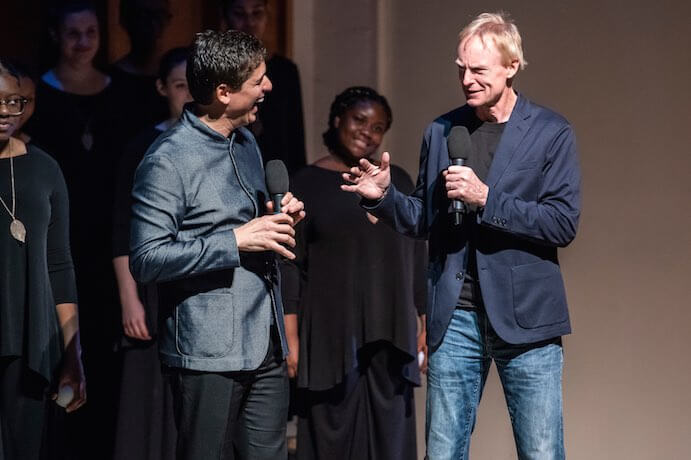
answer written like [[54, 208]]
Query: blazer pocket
[[204, 325], [539, 297]]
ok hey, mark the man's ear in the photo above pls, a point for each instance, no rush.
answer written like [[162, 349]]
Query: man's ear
[[160, 87], [223, 93], [337, 121], [512, 69]]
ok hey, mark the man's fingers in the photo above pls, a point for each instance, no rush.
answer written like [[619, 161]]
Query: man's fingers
[[281, 250], [385, 160]]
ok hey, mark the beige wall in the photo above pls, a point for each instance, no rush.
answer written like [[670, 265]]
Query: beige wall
[[620, 72]]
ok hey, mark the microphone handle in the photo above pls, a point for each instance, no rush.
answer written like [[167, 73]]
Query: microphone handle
[[276, 199], [458, 206]]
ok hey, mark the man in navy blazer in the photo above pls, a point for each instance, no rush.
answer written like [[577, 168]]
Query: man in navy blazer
[[495, 290]]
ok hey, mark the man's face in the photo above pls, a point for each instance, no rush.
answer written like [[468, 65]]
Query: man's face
[[244, 103], [481, 72]]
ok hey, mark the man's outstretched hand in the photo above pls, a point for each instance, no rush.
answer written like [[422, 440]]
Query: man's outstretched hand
[[369, 180]]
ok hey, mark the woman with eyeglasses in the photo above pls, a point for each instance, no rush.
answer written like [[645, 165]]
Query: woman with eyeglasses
[[39, 328]]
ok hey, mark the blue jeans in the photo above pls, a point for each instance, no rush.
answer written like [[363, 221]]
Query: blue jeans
[[530, 375]]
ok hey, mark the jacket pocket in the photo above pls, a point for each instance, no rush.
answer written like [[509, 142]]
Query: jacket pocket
[[204, 325], [539, 298]]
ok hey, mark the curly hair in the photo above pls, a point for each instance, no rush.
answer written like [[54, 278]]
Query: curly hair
[[343, 102], [221, 57]]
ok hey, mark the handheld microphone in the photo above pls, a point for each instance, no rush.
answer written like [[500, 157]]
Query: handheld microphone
[[276, 182], [459, 146]]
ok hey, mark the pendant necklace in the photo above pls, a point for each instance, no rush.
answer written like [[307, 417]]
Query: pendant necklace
[[17, 229]]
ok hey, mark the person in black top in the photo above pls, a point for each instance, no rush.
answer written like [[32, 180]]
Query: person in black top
[[39, 329], [81, 122], [144, 395], [352, 296], [134, 75], [279, 126]]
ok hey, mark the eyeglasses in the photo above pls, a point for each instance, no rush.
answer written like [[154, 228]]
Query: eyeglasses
[[14, 105]]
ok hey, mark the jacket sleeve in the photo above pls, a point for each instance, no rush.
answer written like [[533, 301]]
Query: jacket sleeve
[[158, 211], [405, 213], [552, 219]]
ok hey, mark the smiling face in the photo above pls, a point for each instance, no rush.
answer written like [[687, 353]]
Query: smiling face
[[361, 129], [9, 91], [78, 37], [243, 103], [483, 75]]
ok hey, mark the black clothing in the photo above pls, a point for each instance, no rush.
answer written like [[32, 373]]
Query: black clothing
[[34, 277], [138, 93], [145, 396], [485, 138], [279, 128], [338, 423], [352, 283], [122, 210], [23, 410], [37, 275], [84, 133], [226, 415]]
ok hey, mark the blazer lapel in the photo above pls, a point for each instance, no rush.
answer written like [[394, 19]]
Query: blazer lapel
[[515, 131]]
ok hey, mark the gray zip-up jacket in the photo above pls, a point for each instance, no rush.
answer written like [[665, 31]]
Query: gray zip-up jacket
[[193, 187]]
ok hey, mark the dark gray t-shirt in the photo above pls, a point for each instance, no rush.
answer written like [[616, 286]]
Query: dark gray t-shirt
[[485, 137]]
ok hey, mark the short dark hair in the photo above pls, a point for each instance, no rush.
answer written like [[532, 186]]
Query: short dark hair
[[344, 101], [221, 57], [171, 59]]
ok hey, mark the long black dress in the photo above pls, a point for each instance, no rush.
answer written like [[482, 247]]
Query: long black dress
[[146, 424], [34, 277], [357, 287], [84, 133]]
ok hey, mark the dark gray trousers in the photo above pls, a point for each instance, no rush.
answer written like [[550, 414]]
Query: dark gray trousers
[[232, 415]]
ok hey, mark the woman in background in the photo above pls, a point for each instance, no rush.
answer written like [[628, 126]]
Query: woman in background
[[82, 124], [352, 297], [39, 328], [144, 395]]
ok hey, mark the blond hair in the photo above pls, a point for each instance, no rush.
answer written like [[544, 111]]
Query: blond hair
[[499, 28]]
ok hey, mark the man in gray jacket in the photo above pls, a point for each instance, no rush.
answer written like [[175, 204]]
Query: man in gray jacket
[[202, 229]]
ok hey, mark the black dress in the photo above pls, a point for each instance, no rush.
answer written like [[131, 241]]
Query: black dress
[[34, 278], [279, 128], [145, 396], [357, 288], [84, 133]]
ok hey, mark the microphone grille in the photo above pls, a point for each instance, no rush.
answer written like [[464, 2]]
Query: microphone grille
[[458, 142], [277, 181]]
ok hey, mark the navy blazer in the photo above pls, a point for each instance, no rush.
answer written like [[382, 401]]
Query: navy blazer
[[532, 208]]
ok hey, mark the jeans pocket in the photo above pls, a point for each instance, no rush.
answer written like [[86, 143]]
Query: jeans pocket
[[204, 325]]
